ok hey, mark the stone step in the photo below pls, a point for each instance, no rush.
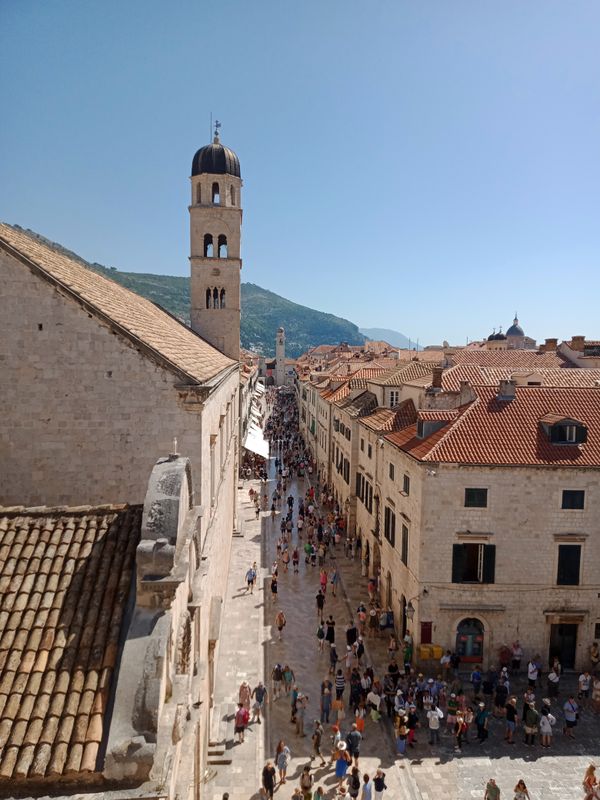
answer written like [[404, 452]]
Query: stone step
[[218, 760]]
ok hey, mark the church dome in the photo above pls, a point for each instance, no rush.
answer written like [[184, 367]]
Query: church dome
[[515, 329], [216, 159]]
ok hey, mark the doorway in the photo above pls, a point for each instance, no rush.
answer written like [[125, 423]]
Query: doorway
[[563, 643], [469, 640]]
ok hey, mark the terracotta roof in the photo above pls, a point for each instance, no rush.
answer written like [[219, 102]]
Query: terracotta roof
[[391, 419], [404, 373], [493, 431], [362, 404], [491, 376], [176, 345], [437, 415], [65, 577], [532, 359]]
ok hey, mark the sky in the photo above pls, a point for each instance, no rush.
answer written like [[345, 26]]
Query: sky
[[429, 166]]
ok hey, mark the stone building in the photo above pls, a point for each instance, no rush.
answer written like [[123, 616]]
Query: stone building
[[97, 382], [486, 528]]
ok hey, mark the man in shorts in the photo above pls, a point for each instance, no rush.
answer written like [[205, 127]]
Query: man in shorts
[[260, 697], [251, 578]]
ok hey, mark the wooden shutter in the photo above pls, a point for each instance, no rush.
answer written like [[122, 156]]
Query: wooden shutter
[[489, 563], [426, 630], [458, 562], [581, 434], [569, 558]]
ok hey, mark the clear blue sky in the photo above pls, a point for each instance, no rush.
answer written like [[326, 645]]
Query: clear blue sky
[[424, 166]]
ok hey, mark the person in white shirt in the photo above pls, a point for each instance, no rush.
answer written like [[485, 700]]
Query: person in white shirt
[[434, 715], [585, 683], [532, 673]]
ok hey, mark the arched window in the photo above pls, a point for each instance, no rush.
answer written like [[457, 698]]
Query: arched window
[[222, 298], [215, 297], [208, 245], [198, 194], [216, 195], [208, 298], [222, 243], [232, 195]]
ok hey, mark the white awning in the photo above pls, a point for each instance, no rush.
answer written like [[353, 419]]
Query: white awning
[[259, 387], [256, 442]]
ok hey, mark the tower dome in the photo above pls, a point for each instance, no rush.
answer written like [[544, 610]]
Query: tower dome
[[515, 329], [216, 159]]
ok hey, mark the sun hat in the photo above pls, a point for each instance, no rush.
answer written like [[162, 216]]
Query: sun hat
[[342, 745]]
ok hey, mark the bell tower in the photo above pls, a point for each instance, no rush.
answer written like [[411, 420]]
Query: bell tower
[[215, 236]]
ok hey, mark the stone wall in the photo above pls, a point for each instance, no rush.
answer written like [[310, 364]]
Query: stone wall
[[84, 413]]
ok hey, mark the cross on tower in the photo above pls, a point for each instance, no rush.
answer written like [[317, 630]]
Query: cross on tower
[[217, 126]]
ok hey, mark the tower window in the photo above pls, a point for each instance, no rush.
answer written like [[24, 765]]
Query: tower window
[[198, 194], [222, 246], [208, 245], [215, 298], [222, 298], [208, 298], [216, 195], [232, 195]]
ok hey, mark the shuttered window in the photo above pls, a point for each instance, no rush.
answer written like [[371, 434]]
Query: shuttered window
[[473, 563], [569, 562]]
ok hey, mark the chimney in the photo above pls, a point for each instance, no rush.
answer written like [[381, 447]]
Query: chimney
[[550, 345], [436, 378], [577, 343], [506, 390]]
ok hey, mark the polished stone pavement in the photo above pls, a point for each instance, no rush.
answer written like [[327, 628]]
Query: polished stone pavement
[[249, 648]]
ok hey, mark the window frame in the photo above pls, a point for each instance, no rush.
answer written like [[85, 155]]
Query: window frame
[[474, 504], [572, 494], [564, 568]]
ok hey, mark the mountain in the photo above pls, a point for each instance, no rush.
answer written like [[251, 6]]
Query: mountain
[[262, 311], [395, 338]]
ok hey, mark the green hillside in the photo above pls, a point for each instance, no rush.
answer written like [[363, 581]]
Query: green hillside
[[262, 311]]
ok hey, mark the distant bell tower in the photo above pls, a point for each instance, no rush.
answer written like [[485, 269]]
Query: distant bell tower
[[215, 233], [280, 357]]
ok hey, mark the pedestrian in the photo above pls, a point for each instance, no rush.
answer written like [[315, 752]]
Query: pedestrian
[[260, 695], [319, 793], [340, 685], [320, 598], [288, 678], [353, 741], [521, 792], [251, 579], [241, 721], [277, 678], [459, 728], [553, 679], [482, 722], [321, 635], [296, 556], [268, 780], [335, 579], [571, 712], [547, 721], [596, 694], [392, 647], [434, 715], [342, 760], [282, 759], [511, 720], [585, 682], [330, 629], [595, 657], [590, 782], [476, 681], [333, 658], [532, 672], [354, 783], [316, 741], [306, 783], [401, 732], [280, 622], [379, 784], [301, 704], [530, 724], [273, 587], [492, 790], [245, 694], [367, 788]]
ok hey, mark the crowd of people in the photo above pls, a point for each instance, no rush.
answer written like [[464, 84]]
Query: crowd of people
[[463, 707]]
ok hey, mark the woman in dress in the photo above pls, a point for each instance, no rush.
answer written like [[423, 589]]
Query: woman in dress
[[342, 759], [282, 759]]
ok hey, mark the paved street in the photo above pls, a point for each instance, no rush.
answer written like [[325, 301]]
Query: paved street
[[250, 648]]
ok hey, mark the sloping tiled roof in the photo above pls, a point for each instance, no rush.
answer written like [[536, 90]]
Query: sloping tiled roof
[[493, 431], [404, 373], [65, 577], [392, 419], [532, 359], [491, 376], [172, 342], [437, 415], [357, 406]]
